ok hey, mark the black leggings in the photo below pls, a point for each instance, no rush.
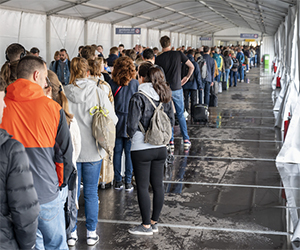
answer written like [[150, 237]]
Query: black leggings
[[148, 166]]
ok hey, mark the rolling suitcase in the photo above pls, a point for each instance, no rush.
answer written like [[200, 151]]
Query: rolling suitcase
[[224, 86], [213, 99], [201, 112]]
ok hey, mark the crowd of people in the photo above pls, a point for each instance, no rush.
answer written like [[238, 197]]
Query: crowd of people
[[46, 130]]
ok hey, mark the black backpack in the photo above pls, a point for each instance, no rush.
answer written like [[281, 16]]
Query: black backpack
[[185, 71], [235, 63]]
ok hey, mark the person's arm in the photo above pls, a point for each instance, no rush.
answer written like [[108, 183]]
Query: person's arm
[[170, 112], [63, 139], [21, 197], [190, 72], [134, 114], [198, 77], [212, 72]]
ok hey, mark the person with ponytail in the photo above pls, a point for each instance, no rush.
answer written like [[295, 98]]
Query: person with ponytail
[[9, 71], [148, 160]]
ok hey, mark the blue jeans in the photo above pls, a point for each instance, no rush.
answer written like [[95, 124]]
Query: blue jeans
[[51, 233], [227, 71], [241, 72], [233, 74], [206, 93], [90, 172], [120, 144], [177, 96]]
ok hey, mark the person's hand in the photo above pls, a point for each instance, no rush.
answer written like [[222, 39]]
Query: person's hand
[[212, 84], [184, 80]]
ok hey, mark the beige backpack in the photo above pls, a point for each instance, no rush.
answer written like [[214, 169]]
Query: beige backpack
[[160, 129], [103, 128]]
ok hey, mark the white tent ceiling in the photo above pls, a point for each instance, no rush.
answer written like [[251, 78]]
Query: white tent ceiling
[[185, 16]]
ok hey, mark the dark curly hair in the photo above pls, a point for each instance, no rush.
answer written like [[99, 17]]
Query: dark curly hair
[[124, 71]]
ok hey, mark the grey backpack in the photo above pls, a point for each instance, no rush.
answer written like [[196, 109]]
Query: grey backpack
[[160, 129]]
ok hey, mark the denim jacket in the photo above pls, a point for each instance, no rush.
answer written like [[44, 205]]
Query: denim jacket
[[64, 77]]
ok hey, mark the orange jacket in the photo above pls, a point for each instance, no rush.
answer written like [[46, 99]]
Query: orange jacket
[[38, 123]]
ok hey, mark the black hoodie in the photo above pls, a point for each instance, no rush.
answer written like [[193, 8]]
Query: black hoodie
[[18, 198]]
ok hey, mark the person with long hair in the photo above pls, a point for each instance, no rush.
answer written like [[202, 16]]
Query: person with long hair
[[123, 85], [96, 66], [83, 95], [148, 160], [9, 71]]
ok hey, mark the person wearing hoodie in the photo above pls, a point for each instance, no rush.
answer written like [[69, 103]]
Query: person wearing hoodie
[[82, 95], [194, 83], [18, 198], [113, 55], [147, 159], [123, 85]]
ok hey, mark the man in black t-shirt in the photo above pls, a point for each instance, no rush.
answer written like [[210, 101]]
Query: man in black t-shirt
[[171, 62]]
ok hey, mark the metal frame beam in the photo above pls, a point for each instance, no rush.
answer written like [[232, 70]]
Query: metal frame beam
[[65, 7]]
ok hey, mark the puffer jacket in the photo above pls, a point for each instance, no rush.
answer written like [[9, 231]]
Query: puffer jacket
[[19, 202]]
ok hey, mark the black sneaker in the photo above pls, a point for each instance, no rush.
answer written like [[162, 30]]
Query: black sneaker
[[128, 187], [154, 228], [119, 185], [141, 230]]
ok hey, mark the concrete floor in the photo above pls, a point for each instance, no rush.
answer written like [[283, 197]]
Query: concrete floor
[[224, 193]]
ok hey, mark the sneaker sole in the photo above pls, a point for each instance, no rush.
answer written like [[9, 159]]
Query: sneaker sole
[[71, 244], [119, 188], [154, 230], [140, 233], [128, 190], [93, 242]]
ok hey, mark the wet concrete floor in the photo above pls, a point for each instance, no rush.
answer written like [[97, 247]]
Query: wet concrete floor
[[224, 193]]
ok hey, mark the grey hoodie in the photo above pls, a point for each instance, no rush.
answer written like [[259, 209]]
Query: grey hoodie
[[81, 100]]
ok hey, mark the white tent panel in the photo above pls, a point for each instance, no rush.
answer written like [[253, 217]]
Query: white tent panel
[[8, 33], [188, 40], [124, 39], [153, 38], [268, 47], [141, 39], [33, 32], [174, 40], [165, 33], [181, 39], [66, 33], [100, 34]]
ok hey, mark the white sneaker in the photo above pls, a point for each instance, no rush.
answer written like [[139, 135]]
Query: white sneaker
[[72, 238], [92, 237], [242, 80], [247, 71], [239, 80]]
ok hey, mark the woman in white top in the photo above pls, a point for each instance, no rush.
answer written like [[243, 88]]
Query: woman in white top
[[83, 95]]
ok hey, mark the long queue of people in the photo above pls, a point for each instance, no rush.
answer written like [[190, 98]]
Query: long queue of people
[[46, 133]]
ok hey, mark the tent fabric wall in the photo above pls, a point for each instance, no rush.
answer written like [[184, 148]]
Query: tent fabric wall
[[286, 43], [66, 33], [153, 38], [99, 34], [124, 39], [174, 40]]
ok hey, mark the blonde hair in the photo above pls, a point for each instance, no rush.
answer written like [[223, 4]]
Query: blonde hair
[[78, 69], [58, 95]]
